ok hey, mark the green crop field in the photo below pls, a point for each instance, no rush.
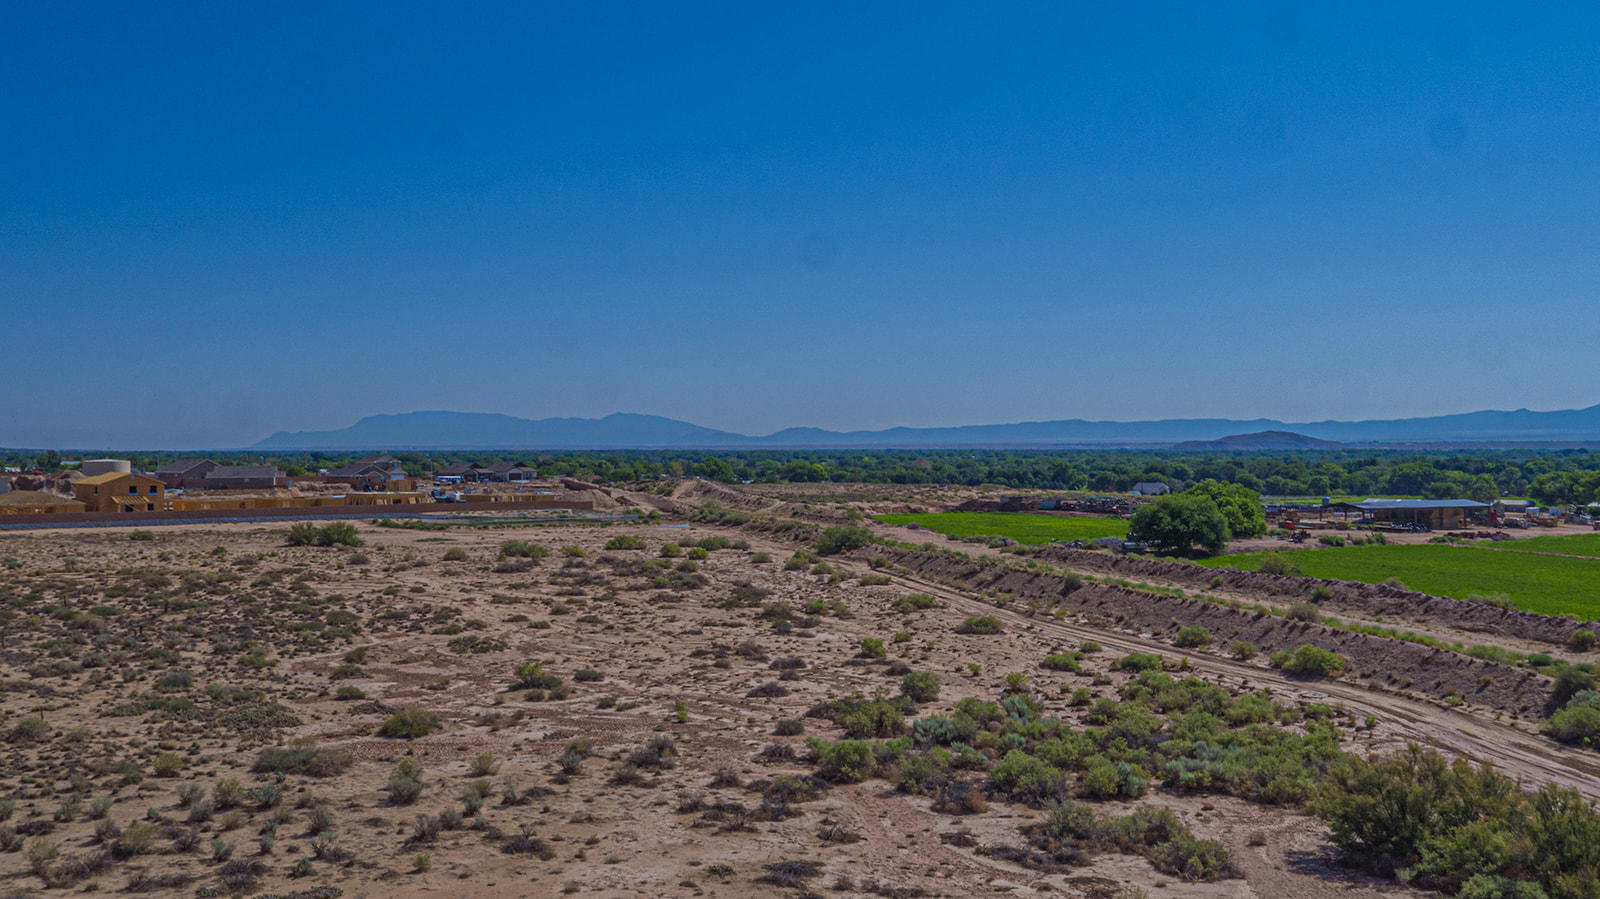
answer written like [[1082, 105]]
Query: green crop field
[[1549, 585], [1572, 544], [1023, 527]]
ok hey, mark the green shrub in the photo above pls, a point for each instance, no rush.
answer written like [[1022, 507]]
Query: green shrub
[[316, 762], [1061, 661], [1192, 637], [523, 549], [980, 624], [1582, 640], [846, 761], [409, 724], [873, 648], [1025, 777], [531, 675], [1242, 649], [914, 602], [670, 550], [1311, 661], [842, 539], [1576, 724], [1139, 661], [1304, 611], [920, 686], [625, 541]]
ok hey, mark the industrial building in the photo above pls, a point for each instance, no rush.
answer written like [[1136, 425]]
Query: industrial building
[[1435, 514]]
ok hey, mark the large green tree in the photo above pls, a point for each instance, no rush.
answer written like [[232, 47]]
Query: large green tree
[[1180, 522], [1240, 505]]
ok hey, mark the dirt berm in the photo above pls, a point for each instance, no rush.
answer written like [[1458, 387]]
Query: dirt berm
[[1371, 600], [1375, 661]]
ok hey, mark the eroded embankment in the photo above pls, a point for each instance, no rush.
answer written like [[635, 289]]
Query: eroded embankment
[[1350, 597], [1377, 661]]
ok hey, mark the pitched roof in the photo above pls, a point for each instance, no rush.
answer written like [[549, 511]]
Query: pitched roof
[[358, 470], [244, 471], [110, 476], [184, 466], [455, 468], [505, 465]]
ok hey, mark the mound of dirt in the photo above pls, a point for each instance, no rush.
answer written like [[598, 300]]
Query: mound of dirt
[[1393, 663]]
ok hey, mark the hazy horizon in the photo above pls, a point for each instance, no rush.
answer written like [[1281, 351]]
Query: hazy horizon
[[224, 222]]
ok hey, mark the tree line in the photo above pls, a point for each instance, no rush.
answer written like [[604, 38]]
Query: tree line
[[1552, 477]]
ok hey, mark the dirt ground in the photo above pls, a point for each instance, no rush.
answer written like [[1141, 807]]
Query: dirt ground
[[99, 624]]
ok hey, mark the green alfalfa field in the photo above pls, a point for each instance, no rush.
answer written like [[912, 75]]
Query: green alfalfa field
[[1535, 581], [1023, 527]]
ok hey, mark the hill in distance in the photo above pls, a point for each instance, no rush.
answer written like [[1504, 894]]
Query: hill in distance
[[480, 430], [1261, 440]]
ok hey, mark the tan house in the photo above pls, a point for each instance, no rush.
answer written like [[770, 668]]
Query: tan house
[[117, 491]]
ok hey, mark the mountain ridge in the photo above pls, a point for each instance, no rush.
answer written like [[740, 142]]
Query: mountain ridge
[[627, 430]]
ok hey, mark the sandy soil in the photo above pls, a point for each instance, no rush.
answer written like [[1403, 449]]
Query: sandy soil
[[98, 622]]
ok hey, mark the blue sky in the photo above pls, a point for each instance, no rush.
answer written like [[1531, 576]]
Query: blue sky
[[219, 221]]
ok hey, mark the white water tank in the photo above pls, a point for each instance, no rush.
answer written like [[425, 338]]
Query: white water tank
[[92, 467]]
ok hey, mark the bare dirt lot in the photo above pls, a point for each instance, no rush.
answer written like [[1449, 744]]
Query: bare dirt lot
[[658, 748]]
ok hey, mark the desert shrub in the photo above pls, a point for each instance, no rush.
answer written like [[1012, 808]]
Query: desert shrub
[[1451, 824], [167, 764], [864, 718], [1241, 649], [531, 675], [920, 686], [228, 793], [1139, 661], [980, 624], [455, 554], [1192, 637], [842, 539], [1025, 777], [302, 533], [789, 727], [523, 549], [1310, 661], [1576, 724], [873, 648], [409, 724], [1061, 661], [318, 762], [1569, 682], [914, 602], [846, 761], [1582, 640], [625, 541], [1304, 611]]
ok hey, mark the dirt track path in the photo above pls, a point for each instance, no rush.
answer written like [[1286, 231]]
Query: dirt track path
[[1513, 750]]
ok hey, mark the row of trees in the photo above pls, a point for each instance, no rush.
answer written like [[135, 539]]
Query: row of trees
[[1550, 477]]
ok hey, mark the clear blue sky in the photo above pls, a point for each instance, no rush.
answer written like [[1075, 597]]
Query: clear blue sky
[[222, 220]]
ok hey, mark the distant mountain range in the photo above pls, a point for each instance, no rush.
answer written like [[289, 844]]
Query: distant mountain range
[[478, 430], [1264, 440]]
